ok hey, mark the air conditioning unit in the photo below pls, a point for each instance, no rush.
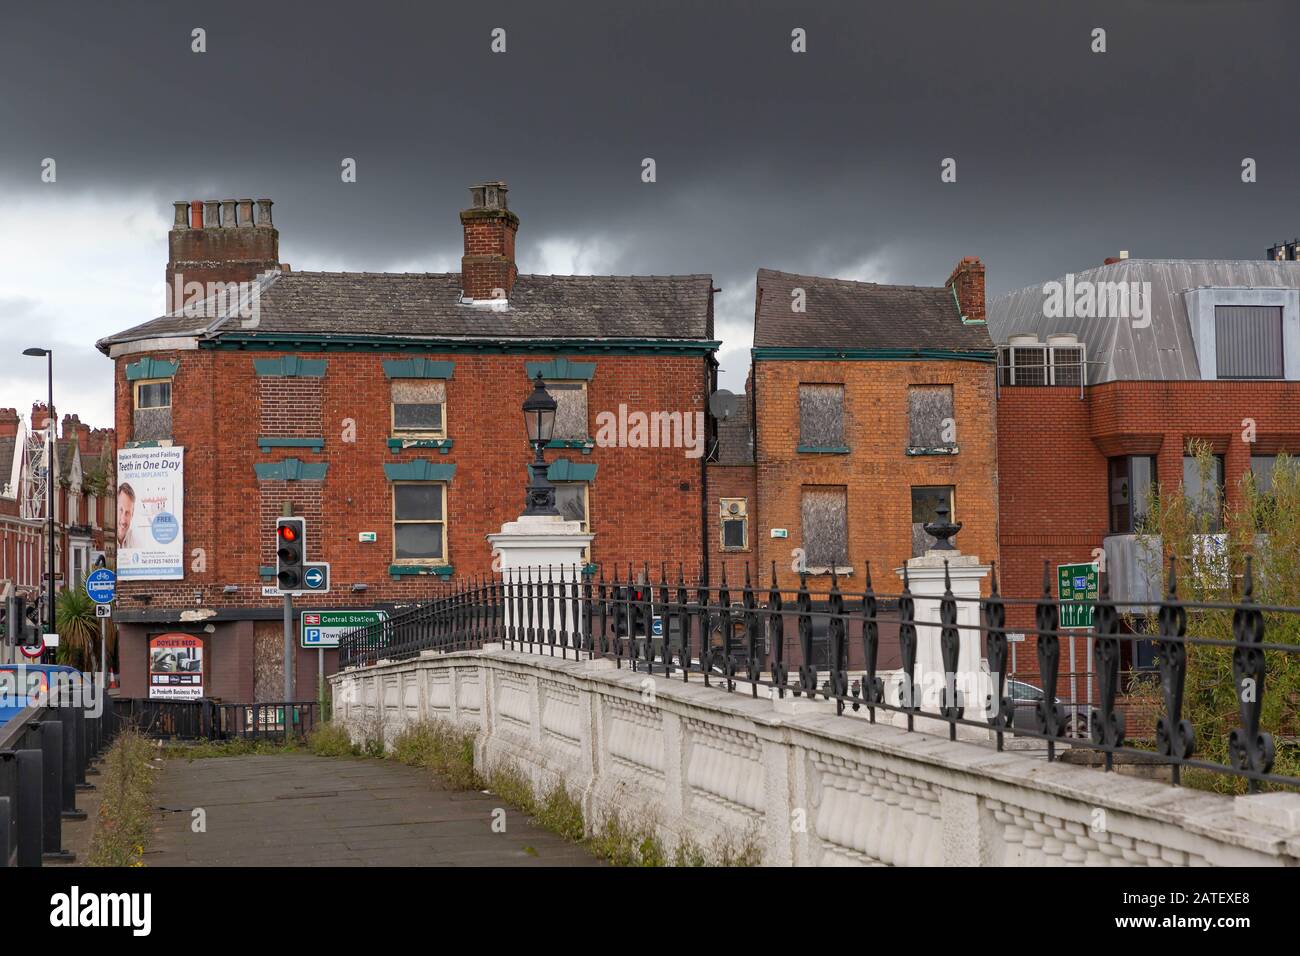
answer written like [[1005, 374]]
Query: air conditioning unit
[[1067, 359], [1024, 361]]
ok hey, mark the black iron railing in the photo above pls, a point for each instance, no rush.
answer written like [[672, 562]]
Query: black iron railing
[[843, 646], [217, 720], [46, 752]]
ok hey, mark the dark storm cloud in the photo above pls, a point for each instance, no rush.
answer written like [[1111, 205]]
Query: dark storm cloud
[[816, 162]]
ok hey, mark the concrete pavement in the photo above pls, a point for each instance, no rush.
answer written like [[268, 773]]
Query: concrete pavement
[[302, 810]]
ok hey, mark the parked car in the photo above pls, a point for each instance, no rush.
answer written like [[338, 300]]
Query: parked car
[[1024, 701]]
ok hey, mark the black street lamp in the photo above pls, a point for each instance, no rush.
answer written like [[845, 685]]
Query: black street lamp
[[50, 452], [539, 417]]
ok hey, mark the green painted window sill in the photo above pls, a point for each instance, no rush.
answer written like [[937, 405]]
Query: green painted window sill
[[266, 571], [405, 570], [156, 443], [823, 449], [584, 444], [314, 444], [919, 452], [442, 444]]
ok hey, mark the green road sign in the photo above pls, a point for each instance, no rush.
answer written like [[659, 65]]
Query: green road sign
[[324, 628], [1076, 582]]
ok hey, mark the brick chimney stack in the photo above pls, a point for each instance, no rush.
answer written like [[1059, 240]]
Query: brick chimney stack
[[8, 422], [487, 269], [967, 281], [41, 416], [218, 241]]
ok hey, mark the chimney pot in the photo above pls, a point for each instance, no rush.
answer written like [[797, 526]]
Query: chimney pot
[[196, 214], [228, 214], [245, 212], [211, 214], [264, 212], [182, 220]]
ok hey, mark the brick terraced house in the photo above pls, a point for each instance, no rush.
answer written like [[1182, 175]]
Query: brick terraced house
[[873, 407], [386, 409], [1099, 400]]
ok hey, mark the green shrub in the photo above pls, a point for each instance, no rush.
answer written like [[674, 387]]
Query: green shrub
[[331, 740]]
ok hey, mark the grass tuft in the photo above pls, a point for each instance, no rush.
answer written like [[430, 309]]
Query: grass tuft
[[123, 824]]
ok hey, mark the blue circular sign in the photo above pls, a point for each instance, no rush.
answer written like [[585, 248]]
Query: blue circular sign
[[101, 586], [314, 577], [164, 527]]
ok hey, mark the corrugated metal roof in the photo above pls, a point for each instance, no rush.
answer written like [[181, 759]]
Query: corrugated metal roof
[[1162, 351]]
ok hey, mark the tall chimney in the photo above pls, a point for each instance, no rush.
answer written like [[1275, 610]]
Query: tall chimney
[[41, 416], [217, 242], [487, 269], [8, 422], [967, 281]]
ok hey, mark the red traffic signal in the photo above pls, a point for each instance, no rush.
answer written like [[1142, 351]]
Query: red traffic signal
[[288, 533]]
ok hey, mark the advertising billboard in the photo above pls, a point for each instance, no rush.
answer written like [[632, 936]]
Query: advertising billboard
[[150, 519], [175, 667]]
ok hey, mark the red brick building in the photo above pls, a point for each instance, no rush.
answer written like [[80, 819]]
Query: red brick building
[[1104, 379], [873, 408], [385, 409]]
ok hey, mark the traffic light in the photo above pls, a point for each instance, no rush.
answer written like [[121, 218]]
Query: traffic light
[[625, 600], [290, 552]]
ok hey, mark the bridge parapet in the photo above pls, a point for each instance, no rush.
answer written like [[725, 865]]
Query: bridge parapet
[[805, 784]]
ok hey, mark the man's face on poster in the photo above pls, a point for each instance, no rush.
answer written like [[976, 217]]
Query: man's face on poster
[[125, 510]]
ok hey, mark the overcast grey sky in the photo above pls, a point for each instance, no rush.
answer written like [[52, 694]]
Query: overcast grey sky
[[825, 162]]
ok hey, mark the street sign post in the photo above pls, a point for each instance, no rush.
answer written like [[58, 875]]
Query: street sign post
[[324, 628]]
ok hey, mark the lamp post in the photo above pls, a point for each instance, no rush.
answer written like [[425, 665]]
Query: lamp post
[[539, 417], [50, 452]]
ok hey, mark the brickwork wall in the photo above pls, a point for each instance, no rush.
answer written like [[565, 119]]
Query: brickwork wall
[[644, 502], [1053, 450], [877, 472]]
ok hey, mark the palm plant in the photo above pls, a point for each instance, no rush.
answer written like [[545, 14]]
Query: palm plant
[[78, 629]]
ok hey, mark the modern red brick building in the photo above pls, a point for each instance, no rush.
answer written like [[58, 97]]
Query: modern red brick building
[[385, 409], [1105, 376]]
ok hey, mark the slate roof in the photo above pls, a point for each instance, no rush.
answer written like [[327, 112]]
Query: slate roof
[[1116, 350], [841, 313], [735, 436], [427, 305]]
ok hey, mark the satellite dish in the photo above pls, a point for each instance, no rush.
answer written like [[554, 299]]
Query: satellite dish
[[723, 404]]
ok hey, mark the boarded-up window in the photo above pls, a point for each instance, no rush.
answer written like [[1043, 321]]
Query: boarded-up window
[[926, 501], [570, 409], [825, 527], [930, 421], [418, 405], [821, 416], [1248, 339]]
